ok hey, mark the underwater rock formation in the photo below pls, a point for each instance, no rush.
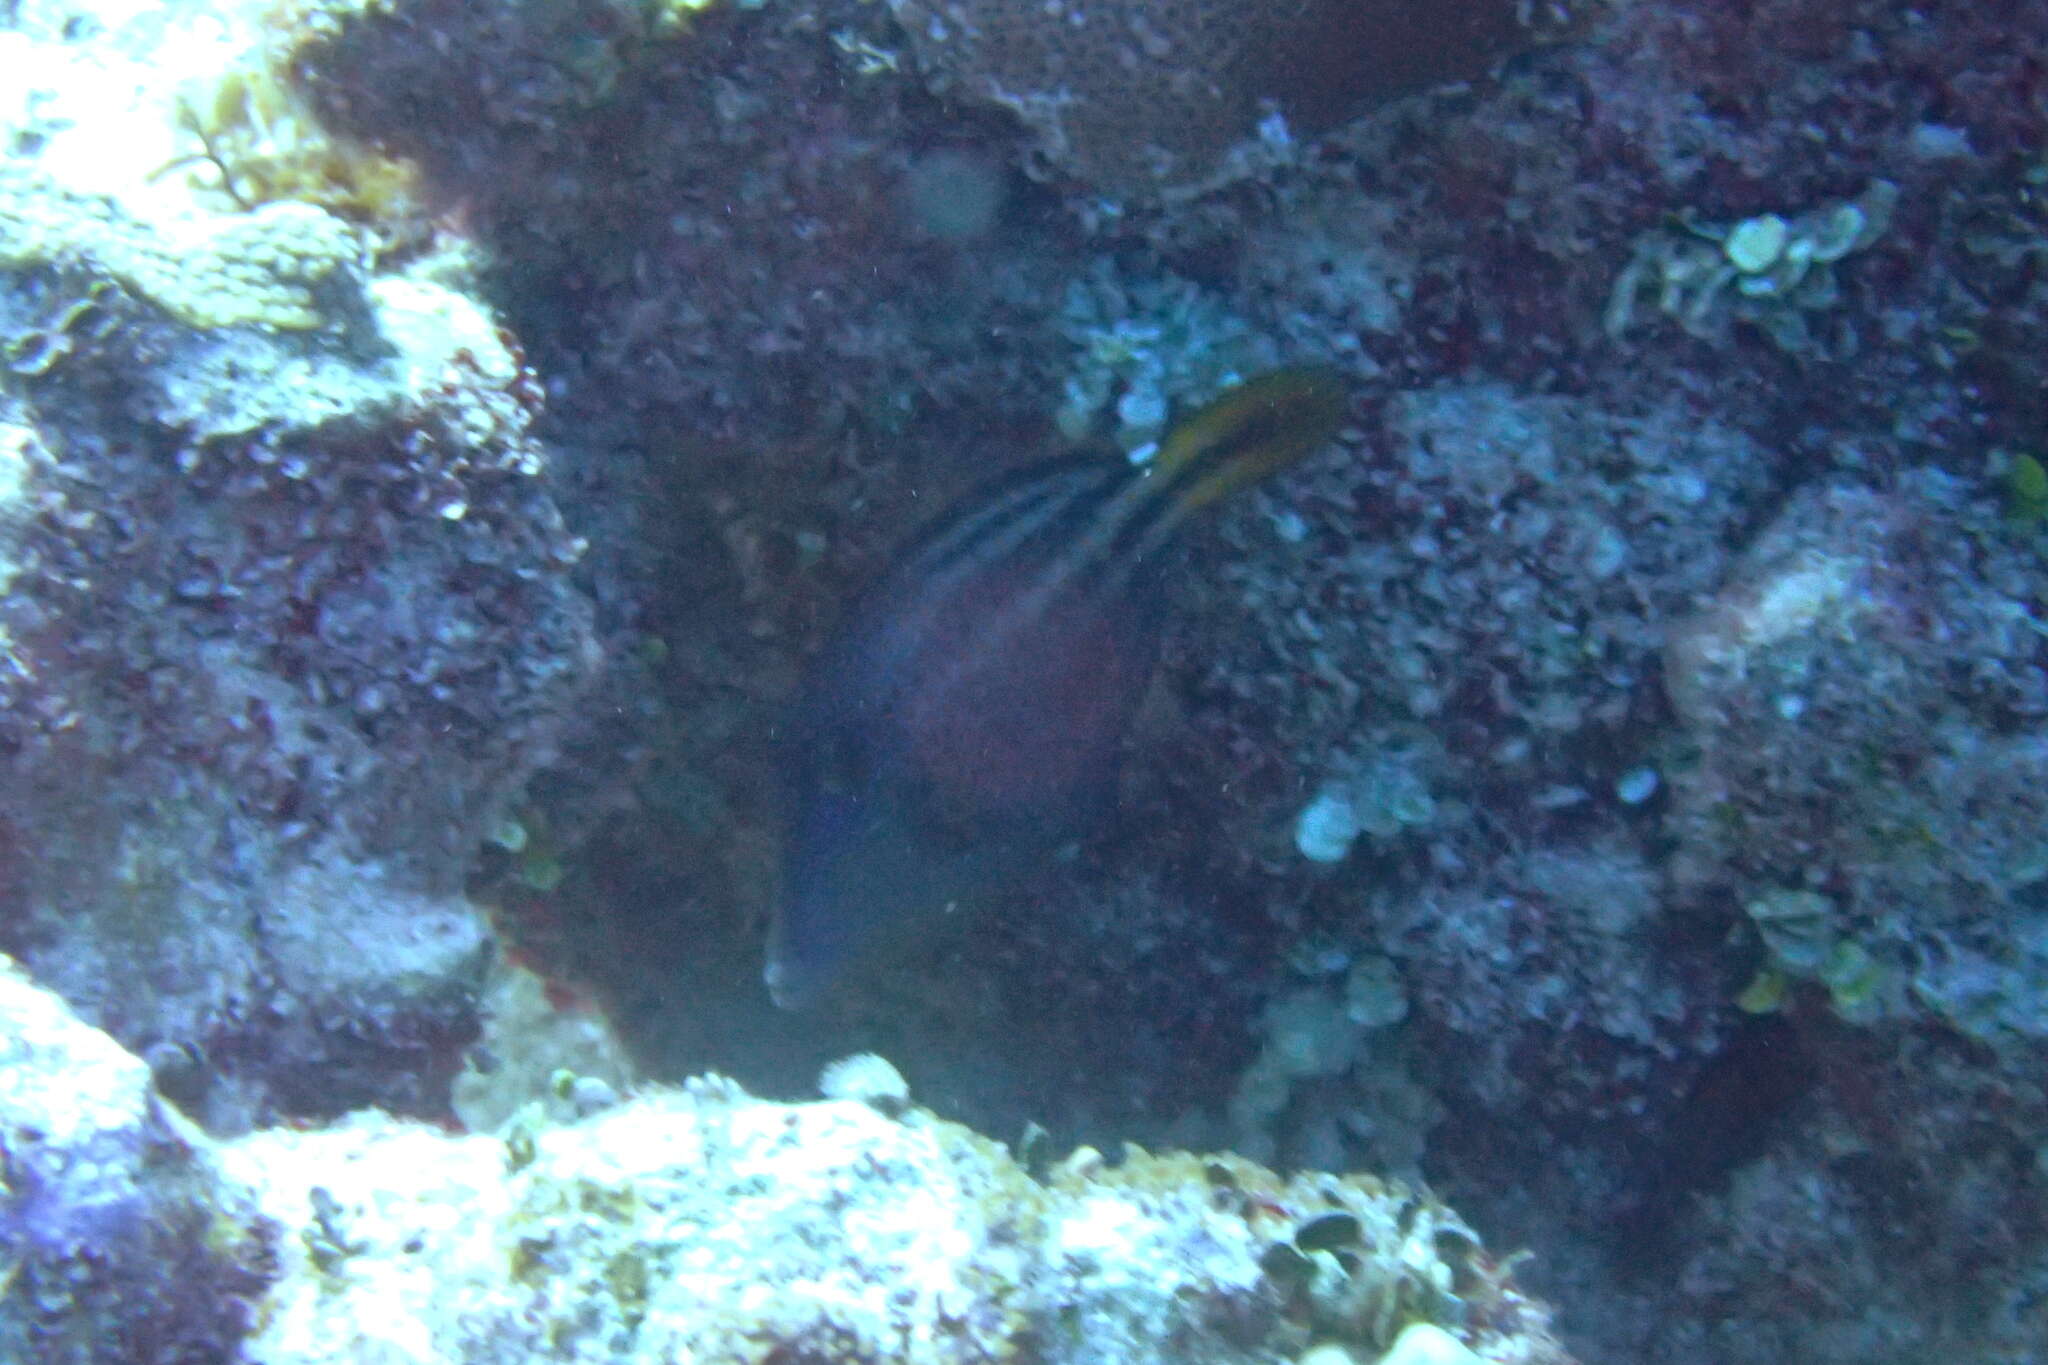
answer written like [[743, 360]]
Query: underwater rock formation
[[118, 1240], [697, 1223], [1606, 782], [1138, 98], [288, 613]]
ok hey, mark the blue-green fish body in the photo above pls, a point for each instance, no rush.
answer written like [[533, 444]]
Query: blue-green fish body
[[968, 716]]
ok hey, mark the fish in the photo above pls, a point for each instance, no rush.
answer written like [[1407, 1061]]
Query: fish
[[967, 718]]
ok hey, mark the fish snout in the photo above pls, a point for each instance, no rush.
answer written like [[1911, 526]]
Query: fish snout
[[789, 985]]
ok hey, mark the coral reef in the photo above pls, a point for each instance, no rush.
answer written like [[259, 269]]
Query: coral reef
[[289, 623], [1139, 99], [535, 1046], [263, 270], [1458, 629], [1767, 271], [1854, 615], [1605, 783], [697, 1223], [117, 1240]]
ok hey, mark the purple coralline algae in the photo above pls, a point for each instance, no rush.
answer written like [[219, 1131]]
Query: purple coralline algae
[[435, 438], [289, 620]]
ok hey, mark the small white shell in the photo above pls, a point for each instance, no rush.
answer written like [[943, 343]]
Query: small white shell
[[866, 1077]]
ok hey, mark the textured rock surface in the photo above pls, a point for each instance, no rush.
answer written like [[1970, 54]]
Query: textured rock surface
[[1462, 620], [1138, 98], [1668, 632], [118, 1241], [288, 617], [697, 1224]]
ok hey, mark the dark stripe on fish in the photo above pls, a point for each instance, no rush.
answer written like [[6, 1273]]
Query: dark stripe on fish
[[970, 715]]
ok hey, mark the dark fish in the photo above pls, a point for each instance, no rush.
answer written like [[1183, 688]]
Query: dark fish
[[966, 720]]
